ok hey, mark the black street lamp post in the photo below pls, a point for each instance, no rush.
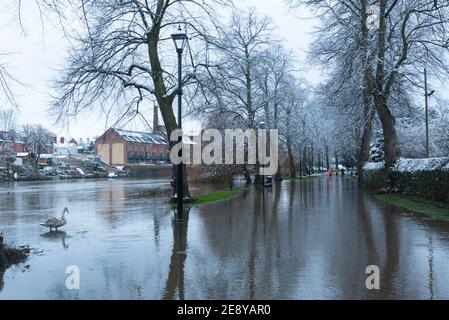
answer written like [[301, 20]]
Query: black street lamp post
[[180, 40]]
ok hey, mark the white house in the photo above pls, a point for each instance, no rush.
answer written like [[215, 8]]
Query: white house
[[65, 149]]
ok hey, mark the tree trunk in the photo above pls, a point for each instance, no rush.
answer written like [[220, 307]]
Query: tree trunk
[[291, 158], [304, 162], [247, 175], [381, 94], [363, 155], [160, 91], [389, 130], [368, 110]]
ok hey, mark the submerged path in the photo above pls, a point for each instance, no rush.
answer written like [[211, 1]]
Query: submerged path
[[310, 239]]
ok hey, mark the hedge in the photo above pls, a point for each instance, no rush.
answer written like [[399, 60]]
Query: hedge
[[426, 178]]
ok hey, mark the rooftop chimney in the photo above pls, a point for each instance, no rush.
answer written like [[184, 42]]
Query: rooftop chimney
[[62, 140], [156, 119]]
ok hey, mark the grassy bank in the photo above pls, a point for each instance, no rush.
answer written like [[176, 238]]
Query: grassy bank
[[434, 210], [300, 178], [221, 195]]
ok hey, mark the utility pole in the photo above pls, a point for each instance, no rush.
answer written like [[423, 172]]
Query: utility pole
[[427, 95]]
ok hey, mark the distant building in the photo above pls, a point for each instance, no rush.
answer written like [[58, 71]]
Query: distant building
[[86, 146], [61, 148], [119, 147], [11, 142]]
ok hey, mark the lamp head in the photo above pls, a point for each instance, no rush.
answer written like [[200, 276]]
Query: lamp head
[[180, 39]]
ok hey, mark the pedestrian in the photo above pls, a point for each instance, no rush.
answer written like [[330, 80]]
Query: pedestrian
[[330, 173], [343, 172]]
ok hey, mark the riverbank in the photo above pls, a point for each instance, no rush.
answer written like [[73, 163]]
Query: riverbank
[[222, 195], [301, 178], [435, 210], [10, 256], [215, 196]]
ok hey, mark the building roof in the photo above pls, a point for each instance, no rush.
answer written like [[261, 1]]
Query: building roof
[[133, 136]]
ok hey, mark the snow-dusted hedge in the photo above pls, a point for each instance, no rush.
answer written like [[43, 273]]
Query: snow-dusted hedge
[[427, 178], [374, 175], [416, 165]]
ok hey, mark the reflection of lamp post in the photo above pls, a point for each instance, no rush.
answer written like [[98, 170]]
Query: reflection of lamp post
[[262, 126], [427, 96], [180, 40]]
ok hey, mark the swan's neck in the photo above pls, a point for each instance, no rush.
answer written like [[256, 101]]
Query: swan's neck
[[63, 215]]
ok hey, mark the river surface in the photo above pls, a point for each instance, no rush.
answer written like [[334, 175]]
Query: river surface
[[311, 239]]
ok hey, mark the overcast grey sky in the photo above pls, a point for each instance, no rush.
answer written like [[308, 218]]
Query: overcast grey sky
[[37, 55]]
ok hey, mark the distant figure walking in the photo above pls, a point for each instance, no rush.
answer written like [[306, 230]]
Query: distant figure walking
[[330, 173]]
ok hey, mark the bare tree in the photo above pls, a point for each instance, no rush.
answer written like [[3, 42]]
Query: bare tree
[[37, 140], [7, 137], [234, 82], [125, 56], [7, 126]]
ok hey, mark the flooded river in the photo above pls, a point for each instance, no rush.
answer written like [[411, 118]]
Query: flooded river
[[312, 239]]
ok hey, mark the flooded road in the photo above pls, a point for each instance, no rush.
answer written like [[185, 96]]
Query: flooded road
[[312, 239]]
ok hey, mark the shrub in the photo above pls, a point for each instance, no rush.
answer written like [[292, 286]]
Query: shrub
[[426, 178]]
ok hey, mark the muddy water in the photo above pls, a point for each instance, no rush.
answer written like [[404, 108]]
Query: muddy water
[[303, 240]]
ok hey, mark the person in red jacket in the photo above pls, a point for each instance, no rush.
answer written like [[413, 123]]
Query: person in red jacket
[[330, 173]]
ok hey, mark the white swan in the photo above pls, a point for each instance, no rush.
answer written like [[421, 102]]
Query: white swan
[[55, 223]]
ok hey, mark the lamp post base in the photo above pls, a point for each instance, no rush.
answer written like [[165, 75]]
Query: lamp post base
[[187, 200]]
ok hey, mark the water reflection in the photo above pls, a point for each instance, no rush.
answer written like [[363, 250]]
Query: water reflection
[[174, 288], [57, 236], [298, 240]]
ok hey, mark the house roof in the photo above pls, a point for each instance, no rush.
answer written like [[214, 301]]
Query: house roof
[[134, 136]]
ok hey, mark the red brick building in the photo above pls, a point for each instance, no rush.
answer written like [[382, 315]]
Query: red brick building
[[12, 142], [119, 147]]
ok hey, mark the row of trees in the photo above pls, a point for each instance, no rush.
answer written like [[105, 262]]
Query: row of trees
[[240, 75], [374, 74], [122, 57]]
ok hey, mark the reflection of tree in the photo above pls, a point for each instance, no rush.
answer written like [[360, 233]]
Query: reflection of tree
[[430, 258], [392, 245], [2, 268], [175, 281]]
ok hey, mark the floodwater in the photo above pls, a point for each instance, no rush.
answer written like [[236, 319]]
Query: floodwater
[[312, 239]]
